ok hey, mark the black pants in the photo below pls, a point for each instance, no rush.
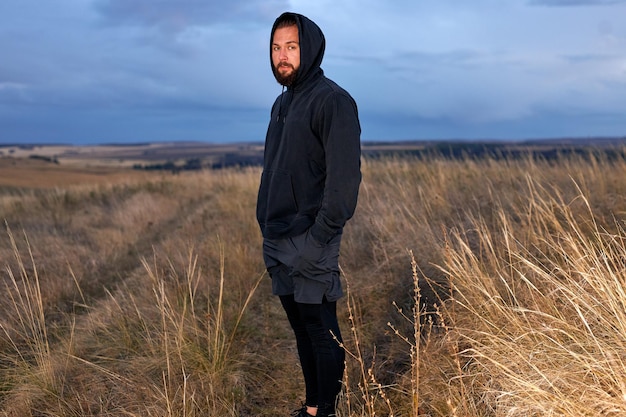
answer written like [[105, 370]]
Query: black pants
[[321, 357]]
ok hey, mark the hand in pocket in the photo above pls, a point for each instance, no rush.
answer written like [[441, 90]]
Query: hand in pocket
[[309, 260]]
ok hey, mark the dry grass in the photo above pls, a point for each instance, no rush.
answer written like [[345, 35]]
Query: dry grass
[[475, 288]]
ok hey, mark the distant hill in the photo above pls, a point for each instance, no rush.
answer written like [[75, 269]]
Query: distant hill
[[198, 155]]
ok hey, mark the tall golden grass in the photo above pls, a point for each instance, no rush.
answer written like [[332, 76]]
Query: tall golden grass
[[474, 288]]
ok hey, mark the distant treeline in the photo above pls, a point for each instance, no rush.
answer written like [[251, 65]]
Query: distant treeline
[[447, 150], [227, 160], [54, 160], [500, 151]]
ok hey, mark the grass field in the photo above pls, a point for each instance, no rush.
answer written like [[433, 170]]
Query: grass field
[[476, 287]]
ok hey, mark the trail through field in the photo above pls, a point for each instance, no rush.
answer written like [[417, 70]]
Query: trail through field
[[90, 248]]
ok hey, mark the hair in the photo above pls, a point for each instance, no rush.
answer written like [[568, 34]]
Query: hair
[[286, 20]]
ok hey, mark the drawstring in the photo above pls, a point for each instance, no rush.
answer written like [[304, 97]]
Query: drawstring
[[280, 105], [288, 99]]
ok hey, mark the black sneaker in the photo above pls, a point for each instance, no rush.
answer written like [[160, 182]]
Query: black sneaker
[[301, 412], [326, 410]]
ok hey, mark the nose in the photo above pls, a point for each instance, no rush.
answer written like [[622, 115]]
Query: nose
[[282, 55]]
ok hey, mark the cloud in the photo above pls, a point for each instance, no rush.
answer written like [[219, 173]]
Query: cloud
[[565, 3], [112, 70], [177, 15]]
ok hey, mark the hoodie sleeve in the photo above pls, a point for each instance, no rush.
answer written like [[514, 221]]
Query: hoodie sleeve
[[340, 133]]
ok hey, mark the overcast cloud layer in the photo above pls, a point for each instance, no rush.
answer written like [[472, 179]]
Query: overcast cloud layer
[[113, 71]]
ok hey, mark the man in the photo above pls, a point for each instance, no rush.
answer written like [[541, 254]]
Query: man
[[308, 191]]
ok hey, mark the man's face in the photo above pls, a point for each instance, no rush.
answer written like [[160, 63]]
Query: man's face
[[286, 54]]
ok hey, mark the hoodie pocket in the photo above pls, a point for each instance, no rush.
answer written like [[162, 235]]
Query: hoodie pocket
[[277, 202], [312, 258]]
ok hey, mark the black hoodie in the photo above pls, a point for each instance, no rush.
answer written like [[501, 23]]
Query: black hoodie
[[311, 169]]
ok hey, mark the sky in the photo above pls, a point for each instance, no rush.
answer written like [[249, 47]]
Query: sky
[[137, 71]]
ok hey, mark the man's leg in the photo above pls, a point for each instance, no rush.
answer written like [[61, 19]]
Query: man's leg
[[324, 335], [305, 349], [312, 317]]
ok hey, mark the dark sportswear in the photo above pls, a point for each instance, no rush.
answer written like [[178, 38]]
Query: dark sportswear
[[311, 170]]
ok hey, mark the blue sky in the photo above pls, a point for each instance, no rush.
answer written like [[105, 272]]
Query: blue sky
[[122, 71]]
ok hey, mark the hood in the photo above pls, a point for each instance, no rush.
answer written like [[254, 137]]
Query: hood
[[312, 45]]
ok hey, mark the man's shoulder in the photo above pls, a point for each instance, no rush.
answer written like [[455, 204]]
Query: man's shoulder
[[327, 88], [332, 86]]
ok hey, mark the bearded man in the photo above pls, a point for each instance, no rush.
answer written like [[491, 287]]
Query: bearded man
[[308, 191]]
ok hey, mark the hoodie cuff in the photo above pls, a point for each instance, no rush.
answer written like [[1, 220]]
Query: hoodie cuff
[[321, 235]]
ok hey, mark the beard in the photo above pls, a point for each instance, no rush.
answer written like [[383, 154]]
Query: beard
[[286, 80]]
